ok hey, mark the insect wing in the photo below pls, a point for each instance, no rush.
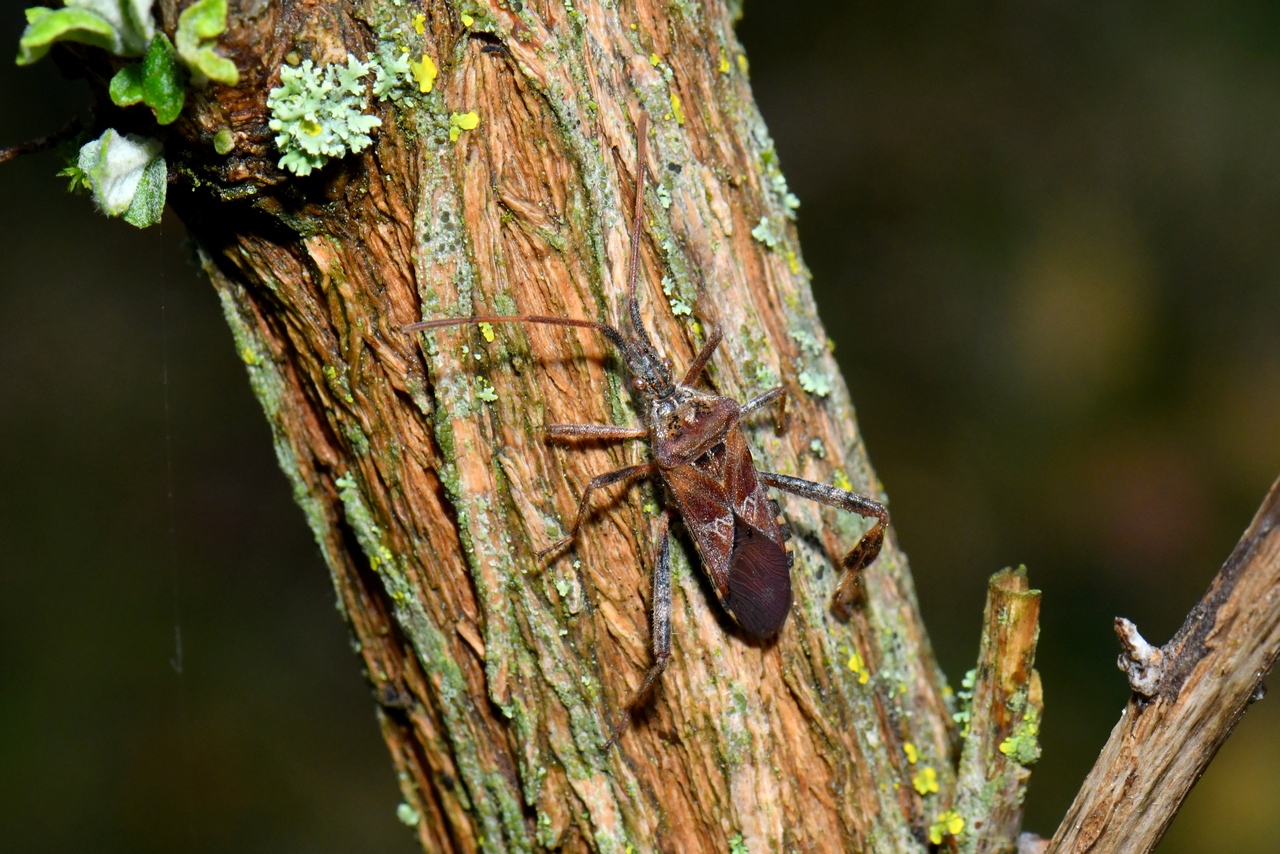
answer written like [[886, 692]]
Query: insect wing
[[759, 595], [708, 519]]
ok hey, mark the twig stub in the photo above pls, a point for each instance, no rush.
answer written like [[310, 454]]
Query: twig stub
[[1140, 661]]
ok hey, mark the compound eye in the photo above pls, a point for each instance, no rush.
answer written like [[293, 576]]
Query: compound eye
[[639, 384]]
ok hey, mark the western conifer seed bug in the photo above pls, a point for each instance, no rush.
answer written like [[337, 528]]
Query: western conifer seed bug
[[701, 456]]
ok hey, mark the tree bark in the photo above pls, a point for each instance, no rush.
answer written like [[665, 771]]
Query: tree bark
[[420, 462]]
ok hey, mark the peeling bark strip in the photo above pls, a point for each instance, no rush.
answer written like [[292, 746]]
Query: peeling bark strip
[[1001, 739], [1212, 669], [421, 463]]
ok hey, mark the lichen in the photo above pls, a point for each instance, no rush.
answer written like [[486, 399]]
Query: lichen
[[856, 664], [458, 122], [318, 113], [964, 699], [1023, 744], [815, 383], [949, 823], [925, 781]]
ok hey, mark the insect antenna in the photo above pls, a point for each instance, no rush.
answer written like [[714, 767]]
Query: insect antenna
[[633, 273], [605, 329]]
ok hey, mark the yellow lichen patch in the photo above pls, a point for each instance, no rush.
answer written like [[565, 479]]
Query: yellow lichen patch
[[655, 60], [467, 20], [725, 67], [949, 823], [676, 109], [458, 122], [912, 753], [842, 480], [424, 73], [742, 63], [858, 666], [418, 21], [926, 780], [792, 261], [486, 329]]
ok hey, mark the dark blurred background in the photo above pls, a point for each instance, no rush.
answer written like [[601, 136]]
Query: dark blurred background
[[1044, 238]]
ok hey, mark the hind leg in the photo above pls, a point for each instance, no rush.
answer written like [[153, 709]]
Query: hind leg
[[864, 551]]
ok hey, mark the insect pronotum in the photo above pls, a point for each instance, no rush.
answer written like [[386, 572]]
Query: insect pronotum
[[711, 482]]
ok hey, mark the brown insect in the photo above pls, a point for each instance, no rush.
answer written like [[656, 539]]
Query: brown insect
[[701, 455]]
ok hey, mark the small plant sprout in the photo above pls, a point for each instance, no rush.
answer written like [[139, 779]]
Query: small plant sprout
[[199, 26], [710, 479]]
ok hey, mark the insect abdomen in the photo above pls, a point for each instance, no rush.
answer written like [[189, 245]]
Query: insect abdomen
[[759, 582]]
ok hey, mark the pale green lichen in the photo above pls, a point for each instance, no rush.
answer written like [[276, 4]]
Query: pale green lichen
[[407, 815], [737, 845], [765, 233], [318, 113], [1023, 744], [778, 182], [807, 341], [965, 700], [678, 306], [815, 383]]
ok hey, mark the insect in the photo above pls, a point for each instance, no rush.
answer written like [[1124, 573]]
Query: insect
[[710, 479]]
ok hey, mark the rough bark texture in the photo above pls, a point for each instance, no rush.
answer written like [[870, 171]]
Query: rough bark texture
[[1208, 674], [1001, 737], [420, 462]]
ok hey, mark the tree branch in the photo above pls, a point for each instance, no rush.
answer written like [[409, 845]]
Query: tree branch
[[1001, 738], [1207, 676]]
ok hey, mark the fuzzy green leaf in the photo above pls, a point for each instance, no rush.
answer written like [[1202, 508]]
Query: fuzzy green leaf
[[46, 26], [156, 82], [199, 26], [148, 202], [124, 27], [128, 176]]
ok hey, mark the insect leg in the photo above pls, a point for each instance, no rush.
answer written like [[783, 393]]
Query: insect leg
[[866, 549], [587, 432], [661, 627], [704, 355], [761, 401], [629, 473]]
